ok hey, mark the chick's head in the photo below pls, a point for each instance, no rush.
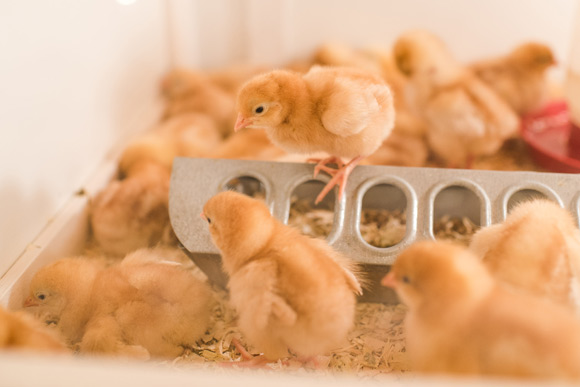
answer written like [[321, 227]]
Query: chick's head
[[261, 103], [533, 56], [239, 226], [54, 286], [49, 289], [436, 272]]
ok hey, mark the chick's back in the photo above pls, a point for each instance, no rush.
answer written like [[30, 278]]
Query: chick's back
[[315, 282], [356, 107]]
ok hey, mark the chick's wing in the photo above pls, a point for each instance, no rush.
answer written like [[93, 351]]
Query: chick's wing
[[255, 291], [349, 107]]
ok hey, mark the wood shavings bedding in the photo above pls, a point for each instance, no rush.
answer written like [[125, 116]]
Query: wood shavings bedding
[[375, 346]]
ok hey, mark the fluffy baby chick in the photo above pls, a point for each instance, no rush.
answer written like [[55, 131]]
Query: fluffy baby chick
[[465, 118], [519, 77], [146, 307], [133, 213], [344, 112], [537, 248], [140, 307], [187, 91], [461, 321], [20, 331], [186, 135], [291, 292], [60, 293]]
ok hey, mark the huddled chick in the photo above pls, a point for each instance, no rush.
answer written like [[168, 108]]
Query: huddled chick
[[344, 112], [60, 292], [464, 117], [185, 135], [140, 307], [19, 331], [133, 213], [519, 77], [462, 321], [537, 248], [291, 292], [187, 91]]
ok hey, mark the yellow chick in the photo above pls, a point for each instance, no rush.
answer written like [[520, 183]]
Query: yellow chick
[[344, 112], [464, 117], [185, 135], [291, 292], [461, 321], [146, 307], [133, 213], [20, 331], [537, 248], [188, 91], [60, 293], [520, 76], [140, 307]]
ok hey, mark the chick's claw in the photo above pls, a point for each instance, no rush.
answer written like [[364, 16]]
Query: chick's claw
[[321, 165], [339, 176], [249, 360]]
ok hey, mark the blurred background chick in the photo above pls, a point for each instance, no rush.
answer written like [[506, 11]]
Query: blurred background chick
[[19, 331], [464, 117], [536, 249], [520, 77], [133, 213]]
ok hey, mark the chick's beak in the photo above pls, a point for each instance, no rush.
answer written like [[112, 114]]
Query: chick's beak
[[242, 122], [202, 215], [389, 280], [30, 302]]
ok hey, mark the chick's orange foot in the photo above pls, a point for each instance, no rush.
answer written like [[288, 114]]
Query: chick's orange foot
[[249, 360], [339, 174]]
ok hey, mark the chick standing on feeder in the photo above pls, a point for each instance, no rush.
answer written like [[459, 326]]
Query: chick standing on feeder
[[344, 112], [464, 117], [519, 77], [462, 321], [537, 248], [291, 292]]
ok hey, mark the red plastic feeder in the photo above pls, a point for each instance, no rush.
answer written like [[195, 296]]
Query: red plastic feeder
[[553, 140]]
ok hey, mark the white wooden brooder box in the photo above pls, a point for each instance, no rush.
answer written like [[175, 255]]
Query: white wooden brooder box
[[80, 78]]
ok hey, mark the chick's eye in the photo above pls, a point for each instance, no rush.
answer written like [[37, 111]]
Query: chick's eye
[[259, 109], [41, 296], [208, 220], [405, 279]]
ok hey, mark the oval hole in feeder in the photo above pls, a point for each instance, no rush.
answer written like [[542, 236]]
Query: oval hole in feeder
[[311, 219], [524, 195], [247, 185], [383, 216], [456, 214]]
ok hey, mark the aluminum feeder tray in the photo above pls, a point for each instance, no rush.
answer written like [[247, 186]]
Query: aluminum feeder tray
[[424, 194]]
